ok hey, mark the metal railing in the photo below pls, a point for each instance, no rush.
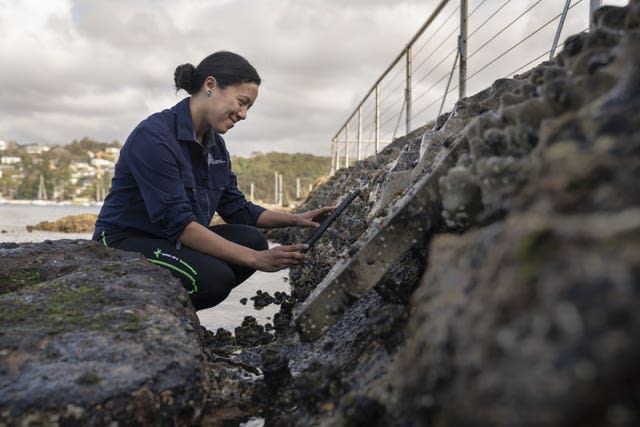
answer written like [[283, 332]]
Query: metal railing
[[483, 40]]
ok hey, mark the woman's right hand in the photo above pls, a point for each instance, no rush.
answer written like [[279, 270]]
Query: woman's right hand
[[280, 257]]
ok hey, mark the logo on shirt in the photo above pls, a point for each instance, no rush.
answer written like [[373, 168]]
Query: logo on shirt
[[212, 161]]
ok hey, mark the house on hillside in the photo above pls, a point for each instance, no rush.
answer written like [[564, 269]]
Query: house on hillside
[[9, 160], [32, 149]]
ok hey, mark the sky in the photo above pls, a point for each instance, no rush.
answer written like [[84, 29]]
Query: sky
[[96, 68]]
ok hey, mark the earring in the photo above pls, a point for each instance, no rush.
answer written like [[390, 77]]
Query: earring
[[208, 93]]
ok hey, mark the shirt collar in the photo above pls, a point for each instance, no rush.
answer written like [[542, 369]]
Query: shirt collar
[[183, 121], [185, 132]]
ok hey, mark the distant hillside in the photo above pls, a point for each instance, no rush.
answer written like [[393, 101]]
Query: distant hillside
[[259, 169]]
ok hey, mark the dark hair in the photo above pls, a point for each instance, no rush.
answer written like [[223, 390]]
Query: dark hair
[[227, 68]]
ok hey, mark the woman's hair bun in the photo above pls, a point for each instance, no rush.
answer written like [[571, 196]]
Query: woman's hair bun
[[227, 68], [183, 77]]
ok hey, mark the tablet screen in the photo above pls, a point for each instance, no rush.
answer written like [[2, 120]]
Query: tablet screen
[[327, 222]]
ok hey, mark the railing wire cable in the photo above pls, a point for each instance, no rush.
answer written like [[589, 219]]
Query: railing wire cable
[[399, 117], [517, 44], [435, 68], [444, 97], [504, 29], [444, 40], [489, 18], [538, 57], [391, 104], [377, 125], [398, 73], [436, 32], [432, 86], [476, 8]]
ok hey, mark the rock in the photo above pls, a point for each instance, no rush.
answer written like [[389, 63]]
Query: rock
[[528, 322], [222, 342], [364, 412], [261, 300], [251, 334], [493, 141], [275, 367], [526, 275], [416, 215], [95, 336], [83, 223]]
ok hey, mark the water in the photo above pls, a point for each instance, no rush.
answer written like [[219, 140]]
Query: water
[[14, 219]]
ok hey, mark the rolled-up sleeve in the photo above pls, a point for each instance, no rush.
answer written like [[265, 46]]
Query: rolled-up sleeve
[[156, 170], [234, 208]]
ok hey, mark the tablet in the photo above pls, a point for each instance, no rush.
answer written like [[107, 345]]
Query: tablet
[[327, 222]]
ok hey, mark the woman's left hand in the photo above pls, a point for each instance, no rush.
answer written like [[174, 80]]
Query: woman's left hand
[[314, 217]]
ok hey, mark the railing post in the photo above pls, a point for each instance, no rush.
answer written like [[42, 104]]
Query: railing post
[[337, 153], [333, 156], [346, 146], [407, 96], [446, 90], [377, 118], [593, 5], [360, 133], [275, 188], [462, 48], [406, 52], [567, 3]]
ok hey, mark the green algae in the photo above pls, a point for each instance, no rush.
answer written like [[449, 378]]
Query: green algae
[[90, 377], [131, 321], [12, 281], [533, 249], [61, 306]]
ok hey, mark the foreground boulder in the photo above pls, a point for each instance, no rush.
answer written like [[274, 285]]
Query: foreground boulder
[[93, 336]]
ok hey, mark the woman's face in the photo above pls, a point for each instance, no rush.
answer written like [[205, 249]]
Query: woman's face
[[229, 105]]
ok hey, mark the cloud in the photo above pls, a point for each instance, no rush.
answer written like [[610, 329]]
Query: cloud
[[96, 68], [74, 68]]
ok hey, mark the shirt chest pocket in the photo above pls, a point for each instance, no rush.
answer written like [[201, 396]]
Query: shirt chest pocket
[[190, 188], [218, 176]]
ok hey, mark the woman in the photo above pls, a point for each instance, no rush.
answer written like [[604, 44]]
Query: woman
[[174, 173]]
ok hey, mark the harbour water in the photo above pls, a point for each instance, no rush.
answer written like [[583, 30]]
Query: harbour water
[[14, 219]]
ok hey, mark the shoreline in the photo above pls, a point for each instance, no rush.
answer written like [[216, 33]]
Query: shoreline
[[36, 202]]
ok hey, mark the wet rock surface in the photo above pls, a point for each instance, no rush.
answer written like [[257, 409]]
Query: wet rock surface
[[92, 336], [535, 328], [526, 284]]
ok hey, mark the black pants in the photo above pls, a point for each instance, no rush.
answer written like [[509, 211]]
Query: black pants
[[208, 279]]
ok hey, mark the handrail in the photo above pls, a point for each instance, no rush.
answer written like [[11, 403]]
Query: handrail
[[378, 117], [422, 29]]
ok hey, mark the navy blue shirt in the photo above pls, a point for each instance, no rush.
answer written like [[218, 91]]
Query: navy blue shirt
[[164, 179]]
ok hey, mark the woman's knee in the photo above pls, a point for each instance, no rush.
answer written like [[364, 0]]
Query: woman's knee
[[244, 235], [258, 240], [213, 288]]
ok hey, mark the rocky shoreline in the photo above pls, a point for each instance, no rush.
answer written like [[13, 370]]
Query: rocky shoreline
[[502, 247], [83, 223]]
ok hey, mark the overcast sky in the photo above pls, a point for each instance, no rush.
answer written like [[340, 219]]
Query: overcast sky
[[96, 68]]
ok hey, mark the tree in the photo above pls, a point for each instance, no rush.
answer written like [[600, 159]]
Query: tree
[[259, 169]]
